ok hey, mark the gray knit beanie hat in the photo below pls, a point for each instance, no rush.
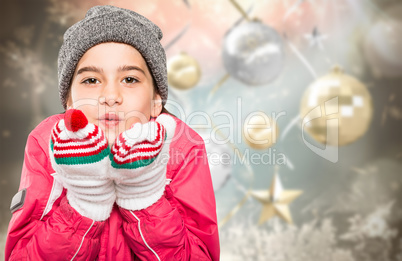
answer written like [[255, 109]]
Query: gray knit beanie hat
[[112, 24]]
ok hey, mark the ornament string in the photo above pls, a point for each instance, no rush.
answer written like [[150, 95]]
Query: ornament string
[[177, 37], [302, 59], [290, 125], [234, 210], [292, 9], [217, 86], [242, 17], [240, 9]]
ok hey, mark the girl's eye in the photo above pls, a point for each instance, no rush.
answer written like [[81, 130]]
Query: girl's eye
[[91, 81], [129, 80]]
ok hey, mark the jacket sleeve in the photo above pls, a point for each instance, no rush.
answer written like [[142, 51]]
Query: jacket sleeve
[[63, 234], [182, 225]]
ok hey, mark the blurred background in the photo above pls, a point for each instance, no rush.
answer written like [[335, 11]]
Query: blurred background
[[305, 97]]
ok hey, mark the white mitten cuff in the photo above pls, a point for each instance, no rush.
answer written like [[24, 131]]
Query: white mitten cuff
[[94, 206]]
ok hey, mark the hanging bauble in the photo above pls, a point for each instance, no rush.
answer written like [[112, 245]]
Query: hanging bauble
[[184, 71], [336, 109], [382, 44], [253, 53], [260, 131]]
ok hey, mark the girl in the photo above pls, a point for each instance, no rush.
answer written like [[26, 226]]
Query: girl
[[116, 177]]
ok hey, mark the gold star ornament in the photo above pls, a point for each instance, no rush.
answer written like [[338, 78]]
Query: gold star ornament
[[275, 201]]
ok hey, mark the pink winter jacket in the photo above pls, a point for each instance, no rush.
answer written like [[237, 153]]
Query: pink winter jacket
[[182, 225]]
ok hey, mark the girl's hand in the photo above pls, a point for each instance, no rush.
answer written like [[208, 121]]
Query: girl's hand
[[79, 154], [139, 159]]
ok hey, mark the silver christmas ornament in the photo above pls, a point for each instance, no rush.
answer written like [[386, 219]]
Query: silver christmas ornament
[[253, 53]]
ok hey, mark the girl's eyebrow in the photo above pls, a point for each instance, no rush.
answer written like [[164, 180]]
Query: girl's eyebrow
[[129, 68], [89, 69], [100, 70]]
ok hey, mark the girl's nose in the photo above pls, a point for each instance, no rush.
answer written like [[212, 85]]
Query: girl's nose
[[111, 95]]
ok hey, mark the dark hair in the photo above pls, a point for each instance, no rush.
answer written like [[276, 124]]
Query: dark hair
[[164, 110], [156, 91]]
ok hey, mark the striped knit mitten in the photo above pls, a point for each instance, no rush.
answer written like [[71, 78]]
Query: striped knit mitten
[[139, 159], [79, 154]]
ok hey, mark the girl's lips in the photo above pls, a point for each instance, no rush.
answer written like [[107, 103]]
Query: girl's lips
[[110, 120], [109, 123]]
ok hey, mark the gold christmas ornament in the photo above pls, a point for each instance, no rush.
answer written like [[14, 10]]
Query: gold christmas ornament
[[336, 109], [184, 72], [276, 201], [260, 131]]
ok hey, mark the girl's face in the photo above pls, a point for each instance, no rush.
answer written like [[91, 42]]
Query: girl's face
[[113, 87]]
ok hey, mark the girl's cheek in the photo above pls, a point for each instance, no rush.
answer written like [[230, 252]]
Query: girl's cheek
[[122, 127]]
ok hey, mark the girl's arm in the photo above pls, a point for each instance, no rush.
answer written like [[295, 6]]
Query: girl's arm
[[36, 234], [182, 224]]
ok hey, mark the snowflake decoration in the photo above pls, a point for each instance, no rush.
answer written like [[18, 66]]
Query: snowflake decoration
[[316, 38]]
